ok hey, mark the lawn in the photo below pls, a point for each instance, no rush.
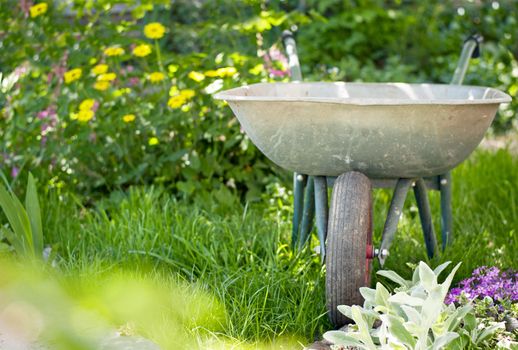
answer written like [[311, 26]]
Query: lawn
[[231, 270]]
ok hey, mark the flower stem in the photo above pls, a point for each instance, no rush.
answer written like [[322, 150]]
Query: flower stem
[[158, 56]]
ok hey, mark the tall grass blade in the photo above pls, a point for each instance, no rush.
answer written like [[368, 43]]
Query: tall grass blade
[[32, 206]]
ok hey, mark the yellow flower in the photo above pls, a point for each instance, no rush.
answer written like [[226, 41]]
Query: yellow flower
[[107, 77], [128, 118], [173, 68], [153, 141], [120, 92], [142, 50], [100, 69], [156, 77], [176, 101], [187, 93], [72, 75], [154, 30], [257, 69], [226, 72], [114, 51], [38, 9], [211, 73], [101, 85], [85, 115], [87, 104], [173, 91], [221, 72], [196, 76]]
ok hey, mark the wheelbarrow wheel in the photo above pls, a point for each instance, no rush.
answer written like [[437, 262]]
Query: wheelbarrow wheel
[[349, 243]]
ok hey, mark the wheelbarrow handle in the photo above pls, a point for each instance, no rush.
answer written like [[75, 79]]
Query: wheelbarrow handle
[[470, 49], [293, 59]]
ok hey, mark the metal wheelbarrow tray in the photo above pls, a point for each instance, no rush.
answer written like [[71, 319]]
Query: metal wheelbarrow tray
[[384, 130], [356, 136]]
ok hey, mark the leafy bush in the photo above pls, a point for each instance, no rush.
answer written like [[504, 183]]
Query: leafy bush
[[101, 102], [99, 95], [414, 317]]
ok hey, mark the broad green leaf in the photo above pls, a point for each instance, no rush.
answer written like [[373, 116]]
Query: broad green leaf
[[432, 307], [453, 320], [397, 329], [411, 314], [364, 334], [427, 276], [488, 331], [21, 227], [441, 342], [32, 206], [405, 299], [345, 310], [381, 295], [341, 338], [15, 241], [368, 294], [470, 322], [391, 275]]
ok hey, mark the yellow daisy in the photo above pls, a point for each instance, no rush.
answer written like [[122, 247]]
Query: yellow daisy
[[101, 85], [107, 77], [142, 50], [153, 141], [226, 72], [114, 51], [85, 115], [72, 75], [156, 77], [100, 69], [38, 9], [87, 104], [188, 93], [196, 76], [128, 118], [176, 101], [154, 30]]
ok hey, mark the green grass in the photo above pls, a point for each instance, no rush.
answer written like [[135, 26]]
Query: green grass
[[241, 255]]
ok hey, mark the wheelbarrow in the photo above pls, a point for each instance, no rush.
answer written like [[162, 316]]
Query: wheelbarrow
[[356, 136]]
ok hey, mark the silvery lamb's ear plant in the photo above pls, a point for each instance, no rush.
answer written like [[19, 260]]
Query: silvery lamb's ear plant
[[413, 317]]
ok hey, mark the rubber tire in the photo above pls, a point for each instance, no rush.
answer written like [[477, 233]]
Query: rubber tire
[[349, 233]]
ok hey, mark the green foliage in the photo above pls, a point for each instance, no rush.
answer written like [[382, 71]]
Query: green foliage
[[374, 40], [241, 255], [414, 317], [193, 145], [26, 232]]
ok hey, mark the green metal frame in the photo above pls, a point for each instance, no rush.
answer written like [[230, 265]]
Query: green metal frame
[[311, 197]]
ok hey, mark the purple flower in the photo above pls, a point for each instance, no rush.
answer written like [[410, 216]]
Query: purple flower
[[15, 171], [487, 282]]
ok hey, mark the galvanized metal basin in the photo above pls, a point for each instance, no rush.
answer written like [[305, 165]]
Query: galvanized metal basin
[[385, 130]]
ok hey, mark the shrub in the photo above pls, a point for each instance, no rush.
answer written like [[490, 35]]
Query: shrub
[[414, 317]]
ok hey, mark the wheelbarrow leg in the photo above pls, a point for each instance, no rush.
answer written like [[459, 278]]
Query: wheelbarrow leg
[[308, 212], [321, 209], [394, 213], [299, 182], [425, 215], [446, 213]]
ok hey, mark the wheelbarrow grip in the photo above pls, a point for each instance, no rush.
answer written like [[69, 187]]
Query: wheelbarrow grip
[[287, 34], [470, 49], [478, 39], [290, 46]]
